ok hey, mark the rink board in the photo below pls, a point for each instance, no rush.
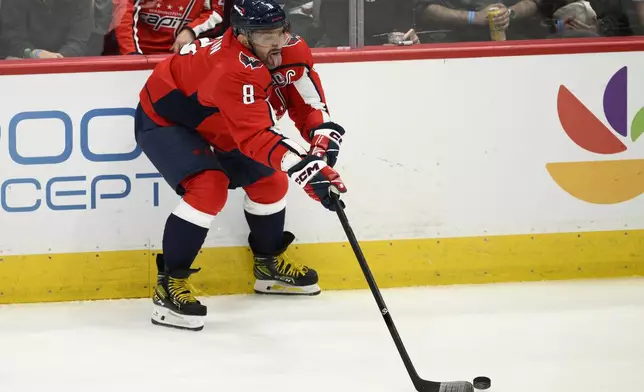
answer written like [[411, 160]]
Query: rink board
[[397, 263], [452, 177]]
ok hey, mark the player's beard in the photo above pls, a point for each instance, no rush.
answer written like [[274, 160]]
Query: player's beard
[[274, 59]]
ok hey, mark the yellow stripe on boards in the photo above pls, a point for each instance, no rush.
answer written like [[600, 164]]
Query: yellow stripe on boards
[[397, 263]]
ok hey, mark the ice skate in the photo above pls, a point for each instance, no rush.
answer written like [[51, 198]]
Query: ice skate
[[174, 304], [276, 274]]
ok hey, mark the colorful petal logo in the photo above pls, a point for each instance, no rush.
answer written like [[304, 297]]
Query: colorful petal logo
[[600, 182]]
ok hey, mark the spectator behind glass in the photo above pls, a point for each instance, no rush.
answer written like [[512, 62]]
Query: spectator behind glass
[[381, 17], [467, 20], [616, 17], [103, 10], [574, 20], [164, 26], [300, 15], [46, 28]]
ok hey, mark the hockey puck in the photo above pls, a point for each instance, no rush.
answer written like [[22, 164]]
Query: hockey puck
[[482, 382]]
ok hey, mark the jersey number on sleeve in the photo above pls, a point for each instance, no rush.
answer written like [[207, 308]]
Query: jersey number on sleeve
[[249, 94]]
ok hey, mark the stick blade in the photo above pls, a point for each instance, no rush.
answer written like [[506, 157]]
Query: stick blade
[[453, 386], [456, 386]]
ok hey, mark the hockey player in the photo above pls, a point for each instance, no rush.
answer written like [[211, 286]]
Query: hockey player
[[205, 121]]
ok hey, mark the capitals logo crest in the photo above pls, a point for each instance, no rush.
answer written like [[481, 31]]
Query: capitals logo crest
[[250, 62], [292, 41]]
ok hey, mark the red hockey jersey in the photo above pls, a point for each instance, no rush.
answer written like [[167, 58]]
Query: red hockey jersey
[[151, 26], [220, 89]]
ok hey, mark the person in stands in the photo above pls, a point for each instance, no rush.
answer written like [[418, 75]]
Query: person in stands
[[47, 29]]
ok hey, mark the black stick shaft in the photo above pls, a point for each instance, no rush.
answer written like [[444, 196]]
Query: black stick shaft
[[376, 292]]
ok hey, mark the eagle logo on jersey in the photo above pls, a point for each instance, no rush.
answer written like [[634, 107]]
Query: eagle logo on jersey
[[294, 40], [250, 62]]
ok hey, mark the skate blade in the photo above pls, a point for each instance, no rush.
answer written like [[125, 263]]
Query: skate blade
[[274, 287], [167, 318]]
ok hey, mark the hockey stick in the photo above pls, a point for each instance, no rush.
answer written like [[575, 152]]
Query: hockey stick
[[420, 384]]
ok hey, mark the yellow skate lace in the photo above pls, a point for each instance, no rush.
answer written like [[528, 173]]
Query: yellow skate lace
[[286, 267], [181, 290]]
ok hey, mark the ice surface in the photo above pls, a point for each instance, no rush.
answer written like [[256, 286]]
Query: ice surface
[[584, 336]]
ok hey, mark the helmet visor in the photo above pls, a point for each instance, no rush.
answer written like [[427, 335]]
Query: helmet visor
[[269, 38]]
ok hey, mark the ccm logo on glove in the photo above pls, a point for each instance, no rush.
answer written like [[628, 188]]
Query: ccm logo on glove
[[308, 171], [318, 180]]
